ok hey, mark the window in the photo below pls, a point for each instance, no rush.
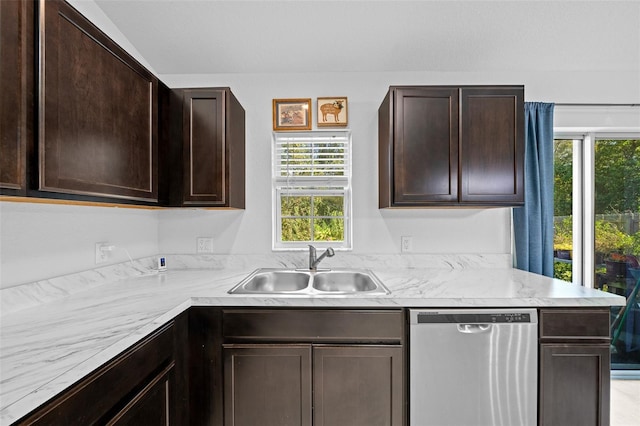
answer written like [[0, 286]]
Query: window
[[563, 241], [597, 227], [311, 179]]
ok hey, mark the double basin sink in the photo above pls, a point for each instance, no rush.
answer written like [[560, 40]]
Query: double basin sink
[[307, 282]]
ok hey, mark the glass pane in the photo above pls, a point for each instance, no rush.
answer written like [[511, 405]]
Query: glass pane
[[296, 229], [295, 205], [328, 229], [312, 218], [617, 241], [328, 206], [562, 202]]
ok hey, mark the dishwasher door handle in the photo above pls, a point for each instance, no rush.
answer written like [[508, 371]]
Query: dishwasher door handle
[[474, 328]]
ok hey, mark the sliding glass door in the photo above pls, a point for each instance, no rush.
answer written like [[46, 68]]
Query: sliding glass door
[[617, 240], [597, 227]]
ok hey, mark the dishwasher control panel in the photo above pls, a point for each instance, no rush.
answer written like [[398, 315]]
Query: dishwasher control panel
[[473, 318]]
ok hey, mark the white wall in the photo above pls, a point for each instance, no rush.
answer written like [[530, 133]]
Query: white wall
[[374, 231], [39, 241], [47, 240]]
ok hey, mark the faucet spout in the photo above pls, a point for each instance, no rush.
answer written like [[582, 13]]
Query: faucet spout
[[314, 261]]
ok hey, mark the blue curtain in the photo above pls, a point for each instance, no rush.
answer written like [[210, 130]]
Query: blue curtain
[[533, 223]]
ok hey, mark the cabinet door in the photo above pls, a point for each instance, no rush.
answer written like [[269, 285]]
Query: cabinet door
[[425, 151], [492, 146], [211, 140], [267, 385], [357, 385], [98, 121], [574, 384], [17, 92], [151, 405], [204, 149]]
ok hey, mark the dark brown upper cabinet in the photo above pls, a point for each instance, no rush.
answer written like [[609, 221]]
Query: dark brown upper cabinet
[[451, 146], [17, 93], [204, 164], [98, 117]]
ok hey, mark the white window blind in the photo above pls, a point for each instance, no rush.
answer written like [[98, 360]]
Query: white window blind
[[313, 159]]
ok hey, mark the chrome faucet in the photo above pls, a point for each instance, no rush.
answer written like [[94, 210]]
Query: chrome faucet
[[314, 261]]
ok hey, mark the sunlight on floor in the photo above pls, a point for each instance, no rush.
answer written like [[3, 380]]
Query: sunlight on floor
[[625, 402]]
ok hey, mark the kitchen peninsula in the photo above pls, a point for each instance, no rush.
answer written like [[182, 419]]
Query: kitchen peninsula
[[49, 347]]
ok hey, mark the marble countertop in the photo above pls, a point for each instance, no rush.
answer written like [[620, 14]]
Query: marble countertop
[[46, 348]]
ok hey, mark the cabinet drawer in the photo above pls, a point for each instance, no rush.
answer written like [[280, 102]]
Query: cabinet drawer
[[354, 326], [574, 324]]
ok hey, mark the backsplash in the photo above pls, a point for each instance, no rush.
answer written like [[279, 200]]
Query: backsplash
[[24, 296], [20, 297], [340, 260]]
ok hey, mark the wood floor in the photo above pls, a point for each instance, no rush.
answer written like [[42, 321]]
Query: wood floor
[[625, 402]]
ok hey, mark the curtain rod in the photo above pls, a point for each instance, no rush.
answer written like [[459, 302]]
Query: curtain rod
[[599, 105]]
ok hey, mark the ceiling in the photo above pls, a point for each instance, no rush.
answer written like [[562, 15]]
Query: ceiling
[[269, 36]]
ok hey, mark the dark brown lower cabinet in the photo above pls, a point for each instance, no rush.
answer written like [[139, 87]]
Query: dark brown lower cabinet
[[284, 384], [321, 367], [574, 367], [150, 406], [142, 386], [205, 389], [575, 381]]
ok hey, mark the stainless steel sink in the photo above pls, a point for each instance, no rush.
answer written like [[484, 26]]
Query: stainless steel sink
[[345, 281], [276, 281], [305, 282]]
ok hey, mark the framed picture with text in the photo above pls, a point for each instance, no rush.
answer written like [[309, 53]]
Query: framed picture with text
[[332, 112], [291, 114]]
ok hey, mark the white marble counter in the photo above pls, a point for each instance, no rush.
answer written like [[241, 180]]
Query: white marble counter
[[47, 347]]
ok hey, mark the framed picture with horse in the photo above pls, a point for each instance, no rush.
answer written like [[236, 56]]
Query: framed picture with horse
[[332, 112]]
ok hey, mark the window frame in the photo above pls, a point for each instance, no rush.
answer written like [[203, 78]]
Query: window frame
[[311, 186]]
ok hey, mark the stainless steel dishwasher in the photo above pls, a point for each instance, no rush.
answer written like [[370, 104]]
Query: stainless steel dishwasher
[[473, 367]]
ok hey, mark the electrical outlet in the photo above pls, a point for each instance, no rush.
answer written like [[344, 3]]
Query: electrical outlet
[[204, 245], [406, 244], [103, 250]]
